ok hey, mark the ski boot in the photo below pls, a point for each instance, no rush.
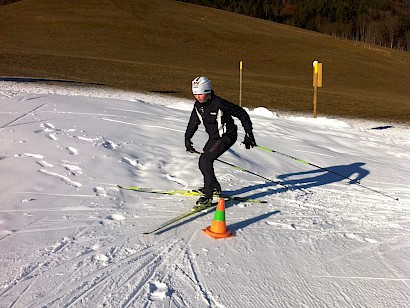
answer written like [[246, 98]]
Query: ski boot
[[202, 203], [216, 192]]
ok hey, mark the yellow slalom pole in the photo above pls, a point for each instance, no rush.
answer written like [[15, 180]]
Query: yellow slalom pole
[[240, 83], [315, 80], [317, 83]]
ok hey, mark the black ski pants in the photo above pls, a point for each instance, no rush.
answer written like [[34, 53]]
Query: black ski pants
[[212, 150]]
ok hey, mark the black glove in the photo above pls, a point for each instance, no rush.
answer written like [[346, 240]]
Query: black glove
[[191, 149], [249, 140]]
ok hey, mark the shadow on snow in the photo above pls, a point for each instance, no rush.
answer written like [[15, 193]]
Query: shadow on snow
[[297, 180], [308, 179]]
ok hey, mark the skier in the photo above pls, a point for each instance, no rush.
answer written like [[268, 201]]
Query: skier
[[216, 115]]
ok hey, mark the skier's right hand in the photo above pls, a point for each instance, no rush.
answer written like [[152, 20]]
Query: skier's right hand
[[191, 149]]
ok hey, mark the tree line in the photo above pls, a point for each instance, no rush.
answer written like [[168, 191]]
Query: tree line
[[379, 22]]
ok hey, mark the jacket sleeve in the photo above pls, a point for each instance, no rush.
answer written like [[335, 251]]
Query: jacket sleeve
[[192, 127], [240, 113]]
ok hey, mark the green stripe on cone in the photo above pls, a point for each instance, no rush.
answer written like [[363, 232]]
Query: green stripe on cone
[[219, 215]]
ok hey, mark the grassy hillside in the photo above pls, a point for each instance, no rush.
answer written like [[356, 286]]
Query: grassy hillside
[[161, 45]]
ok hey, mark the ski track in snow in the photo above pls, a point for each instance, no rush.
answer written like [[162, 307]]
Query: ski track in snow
[[322, 244], [62, 177]]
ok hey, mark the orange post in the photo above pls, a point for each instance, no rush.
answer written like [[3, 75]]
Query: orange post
[[218, 229]]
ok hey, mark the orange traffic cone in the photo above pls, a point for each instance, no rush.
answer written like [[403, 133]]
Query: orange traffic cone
[[218, 227]]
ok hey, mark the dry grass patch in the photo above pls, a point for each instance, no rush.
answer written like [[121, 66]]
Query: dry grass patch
[[161, 45]]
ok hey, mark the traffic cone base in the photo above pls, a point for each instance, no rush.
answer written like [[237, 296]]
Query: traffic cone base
[[225, 234], [218, 227]]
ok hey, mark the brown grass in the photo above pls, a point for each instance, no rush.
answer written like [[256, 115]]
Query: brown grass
[[161, 45]]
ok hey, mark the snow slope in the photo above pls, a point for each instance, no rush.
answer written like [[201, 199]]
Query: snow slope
[[70, 238]]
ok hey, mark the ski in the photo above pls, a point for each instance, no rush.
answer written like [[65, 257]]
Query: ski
[[189, 193], [179, 218]]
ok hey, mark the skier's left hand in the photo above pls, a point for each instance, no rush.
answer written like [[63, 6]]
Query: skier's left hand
[[191, 149], [249, 140]]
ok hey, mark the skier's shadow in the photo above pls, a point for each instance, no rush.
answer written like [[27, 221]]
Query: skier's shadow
[[307, 179]]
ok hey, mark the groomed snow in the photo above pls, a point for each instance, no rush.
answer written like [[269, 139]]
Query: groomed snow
[[70, 238]]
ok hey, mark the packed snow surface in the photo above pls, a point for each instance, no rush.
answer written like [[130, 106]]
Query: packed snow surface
[[70, 238]]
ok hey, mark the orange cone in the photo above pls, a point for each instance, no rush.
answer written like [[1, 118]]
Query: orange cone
[[218, 227]]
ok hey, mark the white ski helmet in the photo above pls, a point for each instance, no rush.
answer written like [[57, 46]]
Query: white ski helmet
[[201, 85]]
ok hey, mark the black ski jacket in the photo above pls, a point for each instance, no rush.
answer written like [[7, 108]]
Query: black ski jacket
[[216, 115]]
